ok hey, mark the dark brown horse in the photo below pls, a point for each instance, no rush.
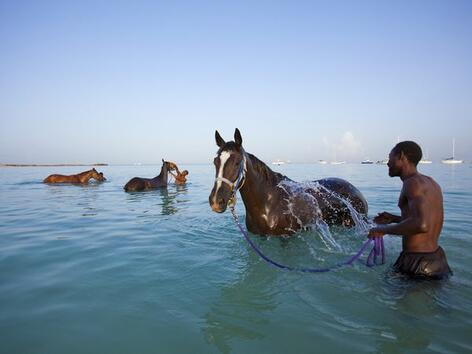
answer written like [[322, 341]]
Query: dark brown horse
[[276, 205], [81, 178], [137, 184]]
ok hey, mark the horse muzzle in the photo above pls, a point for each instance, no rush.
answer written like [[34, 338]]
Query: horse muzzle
[[218, 201], [219, 205]]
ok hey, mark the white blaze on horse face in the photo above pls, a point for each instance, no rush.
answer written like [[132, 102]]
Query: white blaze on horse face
[[224, 156]]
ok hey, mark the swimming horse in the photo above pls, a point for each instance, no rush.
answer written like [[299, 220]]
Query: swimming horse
[[276, 205], [137, 184], [81, 178]]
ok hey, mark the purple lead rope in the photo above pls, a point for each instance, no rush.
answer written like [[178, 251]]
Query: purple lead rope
[[377, 251]]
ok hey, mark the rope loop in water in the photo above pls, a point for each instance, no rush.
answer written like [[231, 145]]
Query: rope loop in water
[[377, 251]]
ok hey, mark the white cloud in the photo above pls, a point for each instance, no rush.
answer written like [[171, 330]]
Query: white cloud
[[347, 148]]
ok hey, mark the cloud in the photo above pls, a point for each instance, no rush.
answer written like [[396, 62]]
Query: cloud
[[349, 143], [348, 147]]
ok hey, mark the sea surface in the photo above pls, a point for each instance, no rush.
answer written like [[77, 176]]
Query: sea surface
[[92, 269]]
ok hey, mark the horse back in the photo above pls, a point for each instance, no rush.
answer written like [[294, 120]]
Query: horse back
[[61, 179], [347, 191], [135, 184]]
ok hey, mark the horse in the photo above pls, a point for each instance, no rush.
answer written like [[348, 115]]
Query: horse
[[81, 178], [137, 184], [276, 205]]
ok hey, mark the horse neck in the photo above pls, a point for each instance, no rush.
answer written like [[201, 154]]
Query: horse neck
[[85, 176], [259, 182], [163, 174]]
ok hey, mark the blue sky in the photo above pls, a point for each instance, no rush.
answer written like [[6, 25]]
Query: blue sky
[[125, 82]]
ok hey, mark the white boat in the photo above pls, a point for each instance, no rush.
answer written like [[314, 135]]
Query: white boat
[[278, 162], [451, 160], [367, 162], [322, 162], [335, 161], [425, 160], [382, 162]]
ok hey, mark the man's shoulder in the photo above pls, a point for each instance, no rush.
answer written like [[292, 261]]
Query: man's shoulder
[[419, 184]]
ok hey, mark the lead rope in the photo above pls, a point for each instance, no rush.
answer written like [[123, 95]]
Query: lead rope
[[377, 251]]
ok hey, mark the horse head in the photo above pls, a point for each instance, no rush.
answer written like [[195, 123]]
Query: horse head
[[98, 175], [171, 166], [230, 168]]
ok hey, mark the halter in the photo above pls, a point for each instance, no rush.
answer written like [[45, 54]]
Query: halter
[[238, 184]]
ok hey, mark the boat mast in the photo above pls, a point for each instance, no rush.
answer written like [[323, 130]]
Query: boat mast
[[453, 147]]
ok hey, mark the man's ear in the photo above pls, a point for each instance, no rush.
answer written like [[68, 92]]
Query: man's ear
[[219, 140]]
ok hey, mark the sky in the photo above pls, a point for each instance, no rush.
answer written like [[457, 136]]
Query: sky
[[135, 81]]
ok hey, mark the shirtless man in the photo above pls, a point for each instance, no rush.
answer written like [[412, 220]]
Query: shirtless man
[[180, 177], [421, 220]]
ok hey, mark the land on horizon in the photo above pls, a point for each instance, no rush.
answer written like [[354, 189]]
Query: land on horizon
[[50, 165]]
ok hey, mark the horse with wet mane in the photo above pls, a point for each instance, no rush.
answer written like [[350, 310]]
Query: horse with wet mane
[[137, 184], [81, 178], [276, 205]]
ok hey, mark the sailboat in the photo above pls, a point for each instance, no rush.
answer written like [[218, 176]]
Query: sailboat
[[278, 162], [425, 160], [336, 162], [451, 160]]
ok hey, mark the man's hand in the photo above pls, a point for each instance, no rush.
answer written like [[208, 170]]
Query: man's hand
[[376, 232], [385, 218]]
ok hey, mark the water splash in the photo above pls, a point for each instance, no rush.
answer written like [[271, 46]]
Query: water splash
[[302, 194]]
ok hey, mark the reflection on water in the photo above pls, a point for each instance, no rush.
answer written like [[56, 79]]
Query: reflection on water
[[65, 193], [163, 199]]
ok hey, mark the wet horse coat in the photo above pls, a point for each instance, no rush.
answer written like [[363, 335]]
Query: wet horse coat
[[81, 178], [137, 184], [276, 205]]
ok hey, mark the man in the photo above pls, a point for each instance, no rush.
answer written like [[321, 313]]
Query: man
[[421, 220], [180, 177]]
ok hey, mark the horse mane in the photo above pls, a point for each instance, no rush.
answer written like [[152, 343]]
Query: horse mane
[[264, 171], [161, 172], [84, 173]]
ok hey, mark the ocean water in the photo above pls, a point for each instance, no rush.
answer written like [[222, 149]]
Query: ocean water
[[92, 269]]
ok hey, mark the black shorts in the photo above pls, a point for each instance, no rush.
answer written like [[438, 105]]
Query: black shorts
[[432, 265]]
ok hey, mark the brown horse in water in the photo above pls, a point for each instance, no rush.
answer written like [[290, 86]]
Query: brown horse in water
[[137, 184], [81, 178], [276, 205]]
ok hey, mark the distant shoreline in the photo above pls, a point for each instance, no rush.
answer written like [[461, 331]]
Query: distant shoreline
[[50, 165]]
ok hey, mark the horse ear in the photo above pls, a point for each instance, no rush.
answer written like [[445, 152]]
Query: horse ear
[[237, 137], [163, 161], [219, 140]]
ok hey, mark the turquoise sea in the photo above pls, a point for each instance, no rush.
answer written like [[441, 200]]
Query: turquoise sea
[[92, 269]]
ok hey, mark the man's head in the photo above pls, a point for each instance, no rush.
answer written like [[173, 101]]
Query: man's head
[[405, 154], [184, 173]]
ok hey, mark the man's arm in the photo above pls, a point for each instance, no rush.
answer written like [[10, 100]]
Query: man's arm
[[415, 223], [387, 218]]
